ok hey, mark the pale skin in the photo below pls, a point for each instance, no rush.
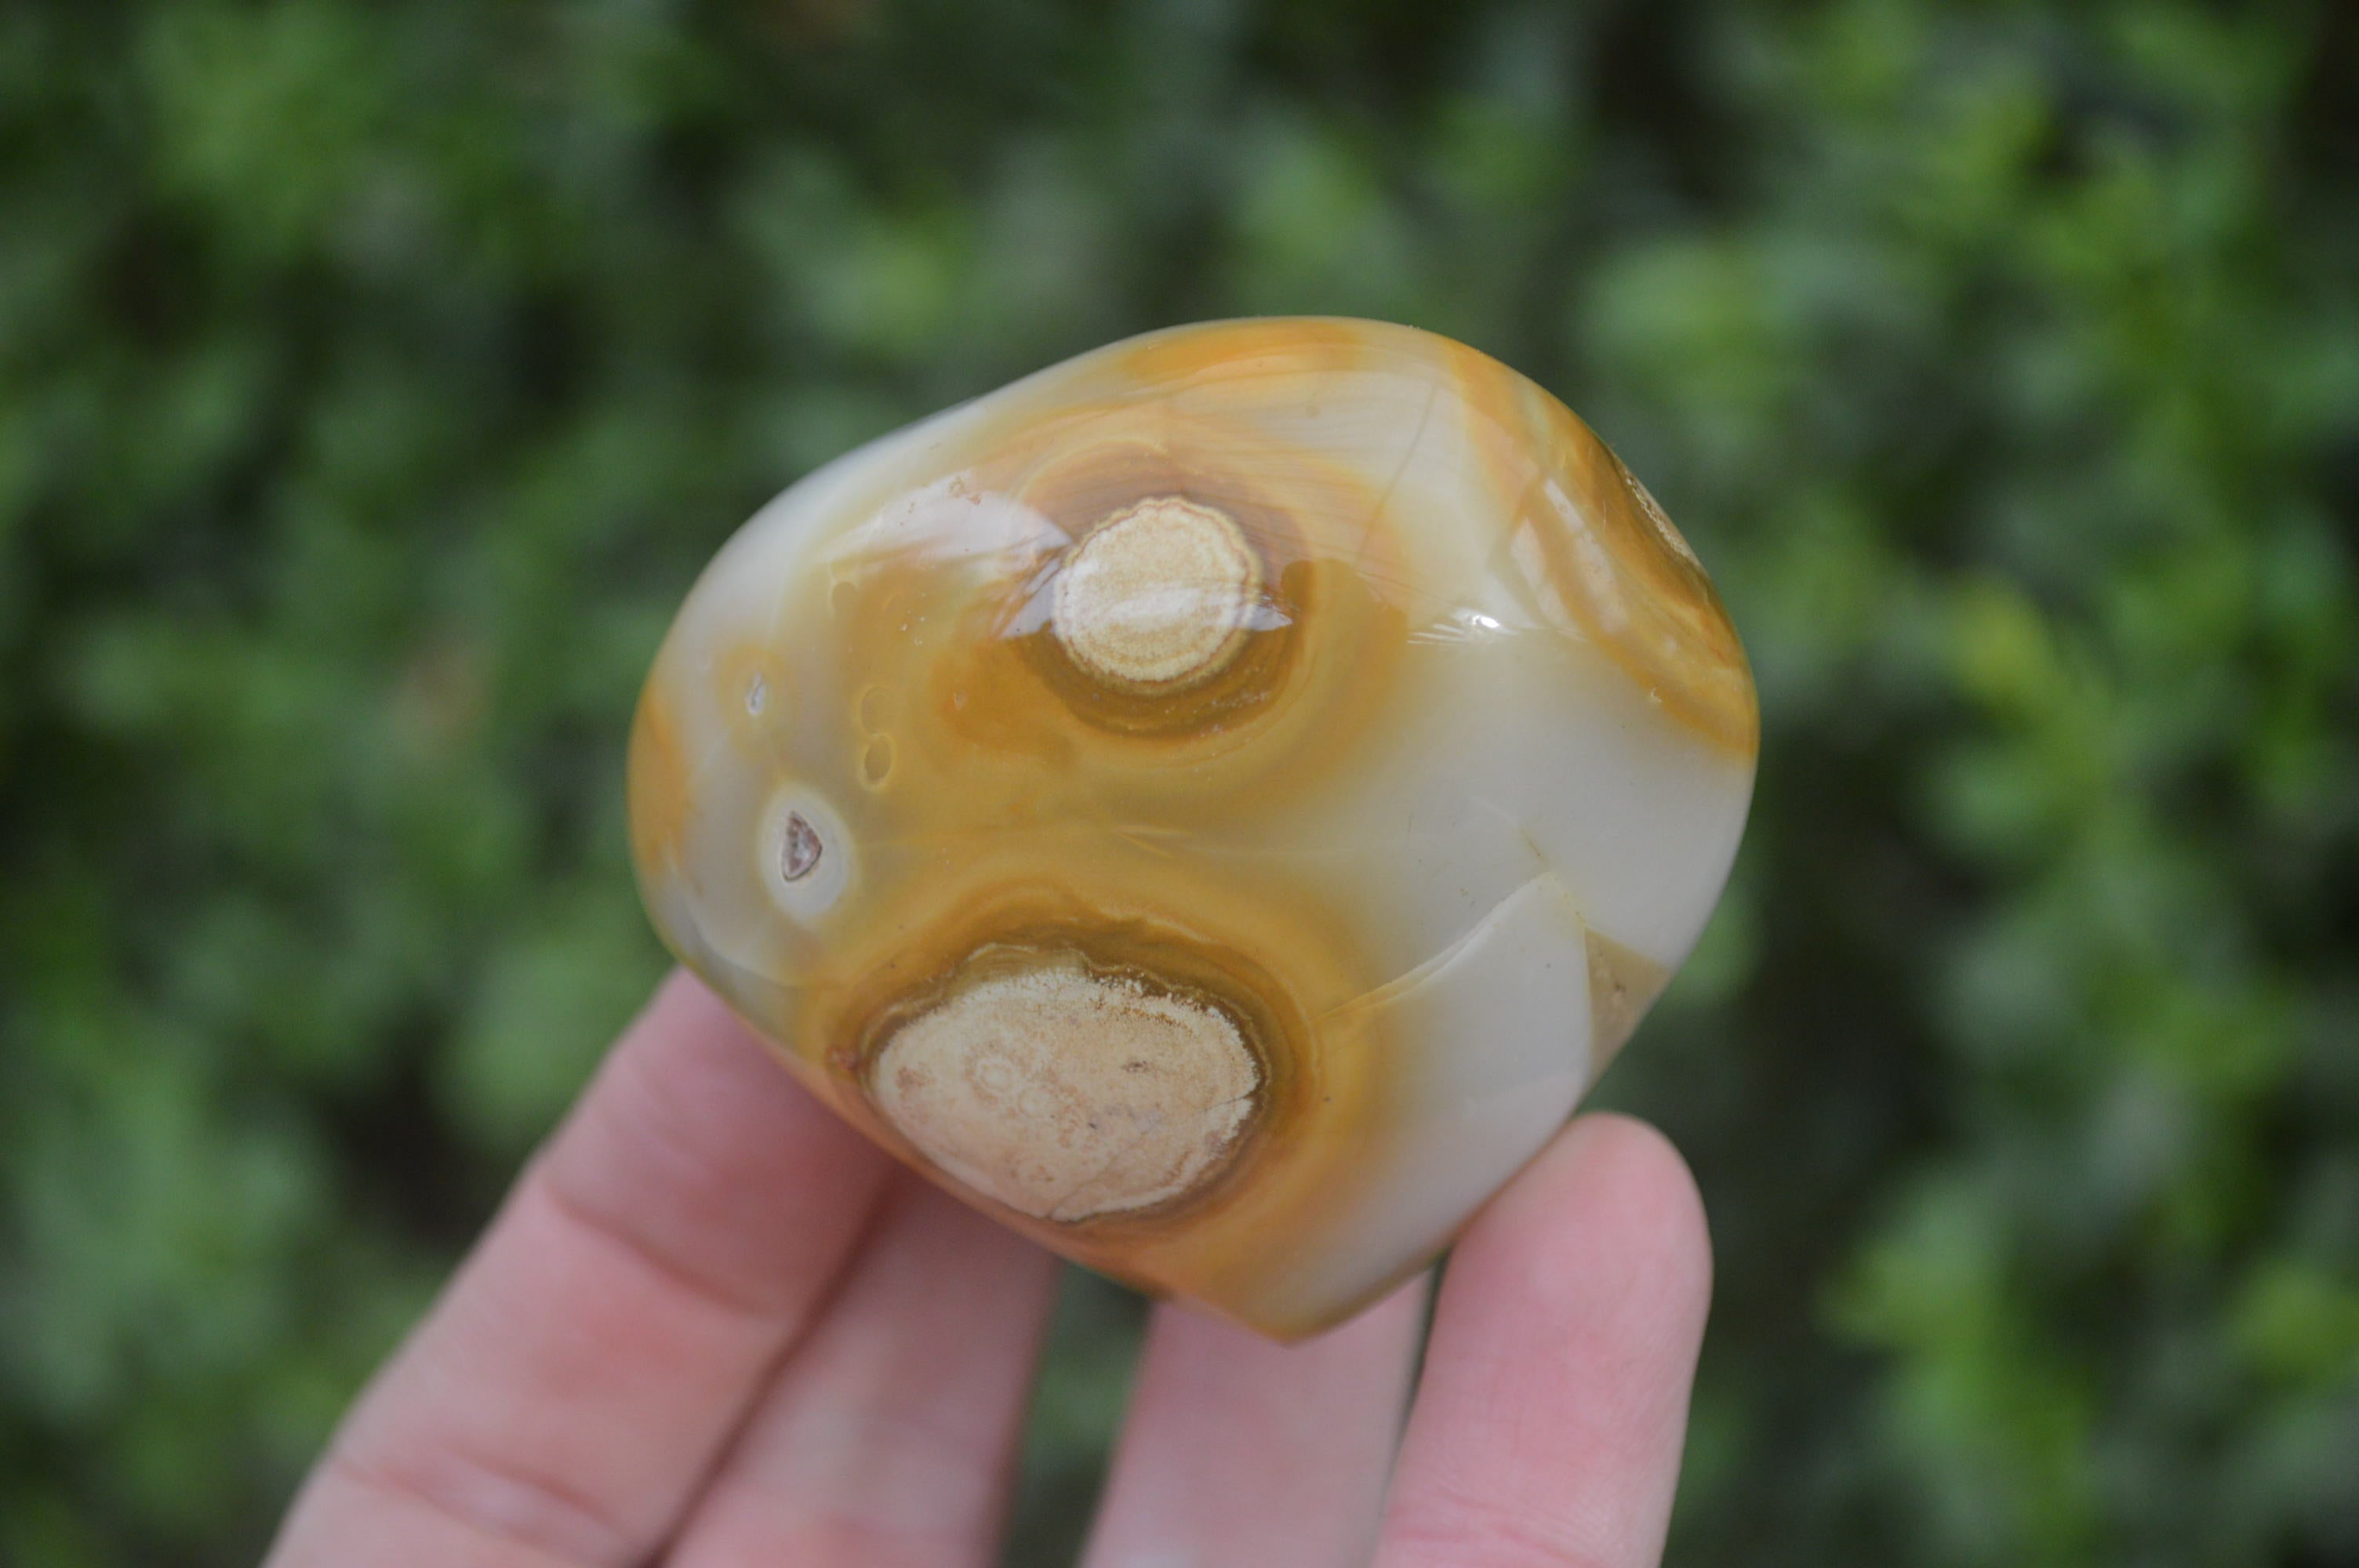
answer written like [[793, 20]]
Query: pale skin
[[711, 1326]]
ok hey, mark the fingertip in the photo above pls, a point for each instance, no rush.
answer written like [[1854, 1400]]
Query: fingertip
[[682, 993], [1554, 1399], [688, 1068], [1240, 1450], [697, 1141], [1610, 1180], [687, 1031]]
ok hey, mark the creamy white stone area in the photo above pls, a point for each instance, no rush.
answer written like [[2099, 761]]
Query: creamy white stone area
[[1157, 594], [1066, 1095]]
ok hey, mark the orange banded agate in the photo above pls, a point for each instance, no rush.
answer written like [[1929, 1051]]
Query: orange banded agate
[[1215, 804]]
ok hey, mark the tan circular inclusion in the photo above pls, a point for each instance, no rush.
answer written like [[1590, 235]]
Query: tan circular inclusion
[[1159, 595], [1066, 1094]]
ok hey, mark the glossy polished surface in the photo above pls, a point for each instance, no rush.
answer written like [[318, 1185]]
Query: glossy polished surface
[[1216, 803]]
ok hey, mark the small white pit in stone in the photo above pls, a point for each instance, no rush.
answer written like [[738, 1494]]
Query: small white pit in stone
[[1066, 1094], [799, 848], [804, 857]]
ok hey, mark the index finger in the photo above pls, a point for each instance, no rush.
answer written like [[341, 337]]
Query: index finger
[[565, 1398], [1549, 1418]]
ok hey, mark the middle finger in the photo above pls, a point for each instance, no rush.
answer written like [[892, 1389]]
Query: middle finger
[[887, 1440], [1240, 1451]]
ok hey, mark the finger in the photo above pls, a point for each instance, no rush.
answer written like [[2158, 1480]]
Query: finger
[[888, 1440], [1237, 1450], [1549, 1417], [566, 1396]]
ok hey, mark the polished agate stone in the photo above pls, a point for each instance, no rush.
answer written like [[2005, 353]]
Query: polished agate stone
[[1215, 804]]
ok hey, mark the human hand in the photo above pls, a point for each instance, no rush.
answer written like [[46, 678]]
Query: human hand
[[714, 1326]]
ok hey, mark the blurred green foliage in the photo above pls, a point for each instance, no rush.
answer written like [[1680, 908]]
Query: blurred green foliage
[[373, 379]]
